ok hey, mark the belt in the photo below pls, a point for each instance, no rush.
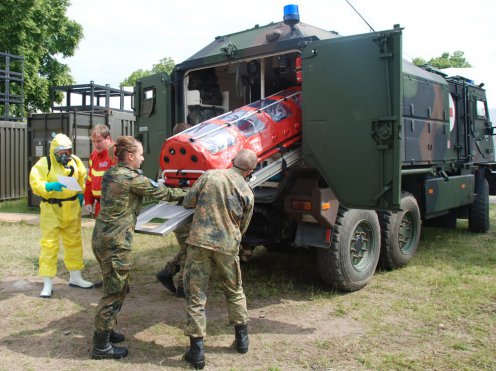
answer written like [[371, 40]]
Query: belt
[[59, 201]]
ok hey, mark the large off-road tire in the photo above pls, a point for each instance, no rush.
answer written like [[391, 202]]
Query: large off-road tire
[[351, 260], [478, 216], [400, 233]]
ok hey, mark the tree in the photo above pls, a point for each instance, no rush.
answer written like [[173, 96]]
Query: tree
[[446, 60], [40, 31], [135, 76], [165, 65]]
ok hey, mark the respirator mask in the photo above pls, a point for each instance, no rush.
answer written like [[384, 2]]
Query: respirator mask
[[63, 156]]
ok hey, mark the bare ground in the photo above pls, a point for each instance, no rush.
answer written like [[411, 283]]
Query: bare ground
[[55, 333]]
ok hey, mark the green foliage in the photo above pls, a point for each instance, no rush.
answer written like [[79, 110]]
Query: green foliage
[[135, 76], [17, 206], [165, 65], [40, 31], [446, 60]]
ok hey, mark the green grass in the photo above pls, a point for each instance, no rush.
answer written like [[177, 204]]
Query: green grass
[[438, 312], [18, 206]]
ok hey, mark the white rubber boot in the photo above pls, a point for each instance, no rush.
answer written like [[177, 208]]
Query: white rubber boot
[[47, 287], [76, 280]]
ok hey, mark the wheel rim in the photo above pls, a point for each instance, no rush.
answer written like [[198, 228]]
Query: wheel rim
[[406, 233], [362, 246]]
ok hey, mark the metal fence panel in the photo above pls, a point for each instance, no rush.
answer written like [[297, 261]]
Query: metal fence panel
[[13, 160]]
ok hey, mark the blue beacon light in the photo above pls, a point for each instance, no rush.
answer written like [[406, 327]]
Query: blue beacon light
[[291, 15]]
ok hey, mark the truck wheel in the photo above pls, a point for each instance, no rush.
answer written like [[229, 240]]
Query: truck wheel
[[478, 217], [350, 262], [400, 233]]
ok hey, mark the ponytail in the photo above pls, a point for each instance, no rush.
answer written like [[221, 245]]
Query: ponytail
[[122, 145]]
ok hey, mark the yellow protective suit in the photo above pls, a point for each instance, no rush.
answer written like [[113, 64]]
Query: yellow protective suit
[[59, 218]]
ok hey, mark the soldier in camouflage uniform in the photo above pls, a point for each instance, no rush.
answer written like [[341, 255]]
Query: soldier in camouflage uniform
[[224, 206], [123, 189]]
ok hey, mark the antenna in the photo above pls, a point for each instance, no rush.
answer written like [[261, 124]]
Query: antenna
[[360, 16]]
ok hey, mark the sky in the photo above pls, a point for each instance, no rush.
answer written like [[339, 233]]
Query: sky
[[121, 36]]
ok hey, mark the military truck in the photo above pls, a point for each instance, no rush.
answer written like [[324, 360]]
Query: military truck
[[386, 145]]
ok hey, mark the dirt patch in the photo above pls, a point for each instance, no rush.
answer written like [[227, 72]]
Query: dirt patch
[[56, 333]]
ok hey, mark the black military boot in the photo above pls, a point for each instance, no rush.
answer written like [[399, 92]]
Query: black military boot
[[242, 341], [195, 355], [98, 284], [104, 349], [165, 278], [116, 337], [180, 292]]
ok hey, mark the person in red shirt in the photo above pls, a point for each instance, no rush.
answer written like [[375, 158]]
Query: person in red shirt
[[99, 163]]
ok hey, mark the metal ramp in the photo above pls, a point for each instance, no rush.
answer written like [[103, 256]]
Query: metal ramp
[[165, 217]]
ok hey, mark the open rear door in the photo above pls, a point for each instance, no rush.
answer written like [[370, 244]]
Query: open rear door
[[153, 118], [352, 109]]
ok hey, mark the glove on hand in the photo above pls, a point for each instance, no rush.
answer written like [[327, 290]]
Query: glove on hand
[[89, 208], [80, 197], [54, 186]]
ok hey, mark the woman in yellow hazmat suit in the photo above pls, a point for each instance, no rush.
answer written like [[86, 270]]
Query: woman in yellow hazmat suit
[[60, 213]]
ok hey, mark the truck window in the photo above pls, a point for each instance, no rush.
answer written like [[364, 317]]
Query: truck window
[[148, 103], [149, 93], [481, 109]]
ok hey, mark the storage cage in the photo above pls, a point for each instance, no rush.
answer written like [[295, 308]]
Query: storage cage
[[11, 87]]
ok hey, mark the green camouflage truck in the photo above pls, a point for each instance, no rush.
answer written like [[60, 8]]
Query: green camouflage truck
[[386, 145]]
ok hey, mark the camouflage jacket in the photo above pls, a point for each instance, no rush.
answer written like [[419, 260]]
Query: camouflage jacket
[[224, 206], [123, 190]]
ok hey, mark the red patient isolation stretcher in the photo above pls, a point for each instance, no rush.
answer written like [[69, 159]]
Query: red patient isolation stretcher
[[271, 127]]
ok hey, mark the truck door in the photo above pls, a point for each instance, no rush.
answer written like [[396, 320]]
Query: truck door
[[153, 118], [479, 126], [352, 109]]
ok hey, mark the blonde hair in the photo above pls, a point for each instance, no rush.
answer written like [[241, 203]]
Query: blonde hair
[[122, 145]]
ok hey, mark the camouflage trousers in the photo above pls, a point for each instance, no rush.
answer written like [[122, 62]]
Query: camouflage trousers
[[176, 265], [199, 264], [115, 265]]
